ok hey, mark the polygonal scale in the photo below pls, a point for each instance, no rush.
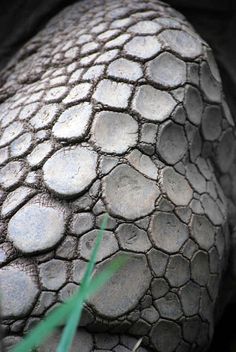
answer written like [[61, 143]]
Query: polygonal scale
[[118, 109], [37, 226], [167, 70], [111, 300], [18, 297], [153, 104], [114, 132], [128, 201], [70, 170]]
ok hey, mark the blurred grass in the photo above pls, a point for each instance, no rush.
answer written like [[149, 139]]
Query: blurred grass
[[69, 313]]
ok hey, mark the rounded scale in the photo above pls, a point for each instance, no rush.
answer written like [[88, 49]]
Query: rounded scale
[[37, 226], [18, 291], [70, 170], [122, 292], [124, 189], [114, 132]]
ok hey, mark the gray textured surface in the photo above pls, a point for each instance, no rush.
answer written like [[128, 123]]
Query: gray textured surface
[[159, 176]]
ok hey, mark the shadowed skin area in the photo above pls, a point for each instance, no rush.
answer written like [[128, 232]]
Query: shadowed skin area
[[116, 107]]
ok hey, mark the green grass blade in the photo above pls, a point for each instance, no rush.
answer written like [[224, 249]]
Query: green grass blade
[[100, 279], [38, 335], [89, 269], [58, 316], [73, 321], [70, 328], [96, 284]]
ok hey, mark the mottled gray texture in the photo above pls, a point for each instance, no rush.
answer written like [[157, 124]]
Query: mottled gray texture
[[113, 94], [11, 174], [167, 70], [143, 47], [114, 132], [36, 227], [15, 199], [109, 245], [125, 69], [182, 43], [71, 170], [53, 274], [176, 187], [171, 143], [153, 104], [168, 233], [133, 238], [122, 292], [132, 185], [18, 291], [73, 123], [117, 109]]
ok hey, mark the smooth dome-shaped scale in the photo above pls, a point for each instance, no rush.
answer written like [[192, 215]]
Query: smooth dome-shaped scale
[[176, 187], [167, 70], [182, 43], [167, 232], [133, 238], [70, 170], [203, 231], [44, 116], [195, 178], [16, 198], [21, 145], [190, 295], [165, 336], [145, 27], [211, 123], [143, 164], [200, 269], [216, 215], [53, 274], [12, 173], [178, 271], [169, 306], [193, 104], [171, 144], [153, 104], [39, 153], [9, 117], [37, 226], [55, 94], [4, 155], [108, 245], [19, 291], [122, 292], [128, 194], [113, 94], [210, 86], [114, 132], [143, 47], [73, 122], [10, 133], [125, 69], [77, 93]]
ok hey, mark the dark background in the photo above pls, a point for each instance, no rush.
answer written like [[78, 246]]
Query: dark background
[[214, 20]]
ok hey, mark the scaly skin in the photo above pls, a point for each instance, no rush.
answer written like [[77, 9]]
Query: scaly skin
[[116, 107]]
